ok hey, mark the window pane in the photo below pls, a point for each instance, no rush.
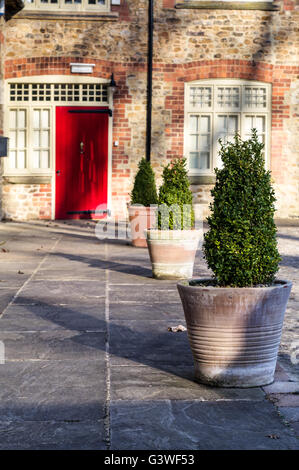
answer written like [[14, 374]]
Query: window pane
[[36, 118], [193, 142], [44, 139], [22, 159], [201, 97], [45, 118], [194, 160], [227, 126], [36, 142], [204, 161], [260, 124], [12, 159], [21, 140], [193, 123], [36, 159], [13, 119], [21, 118], [232, 124], [228, 97], [204, 142], [12, 139], [44, 159], [255, 97], [205, 124]]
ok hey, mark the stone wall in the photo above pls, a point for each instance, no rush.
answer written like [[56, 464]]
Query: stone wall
[[188, 45], [27, 201]]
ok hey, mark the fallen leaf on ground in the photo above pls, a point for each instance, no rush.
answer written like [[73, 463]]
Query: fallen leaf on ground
[[176, 329]]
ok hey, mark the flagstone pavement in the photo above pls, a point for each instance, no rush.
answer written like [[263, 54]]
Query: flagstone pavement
[[90, 363]]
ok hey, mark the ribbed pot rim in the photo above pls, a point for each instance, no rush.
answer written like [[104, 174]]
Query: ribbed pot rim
[[277, 283], [156, 234]]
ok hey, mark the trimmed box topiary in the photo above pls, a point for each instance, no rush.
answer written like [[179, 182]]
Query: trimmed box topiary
[[172, 247], [144, 198], [175, 193], [240, 246], [144, 191], [235, 320]]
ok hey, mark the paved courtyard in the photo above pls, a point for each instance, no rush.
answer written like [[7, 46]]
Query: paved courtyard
[[90, 363]]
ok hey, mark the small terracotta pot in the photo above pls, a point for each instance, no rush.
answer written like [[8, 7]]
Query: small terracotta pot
[[141, 218], [234, 333], [172, 252]]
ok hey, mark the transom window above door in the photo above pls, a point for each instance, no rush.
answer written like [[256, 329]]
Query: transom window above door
[[217, 109], [81, 5]]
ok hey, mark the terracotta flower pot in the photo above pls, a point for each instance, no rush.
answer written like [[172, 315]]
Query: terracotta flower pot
[[172, 252], [234, 333], [141, 218]]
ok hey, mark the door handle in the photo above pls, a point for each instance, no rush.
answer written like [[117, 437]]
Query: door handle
[[81, 147], [57, 172]]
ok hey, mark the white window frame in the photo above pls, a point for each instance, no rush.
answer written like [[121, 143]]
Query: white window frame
[[62, 6], [213, 111]]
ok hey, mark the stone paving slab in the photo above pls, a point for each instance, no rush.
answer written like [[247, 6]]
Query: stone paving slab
[[282, 387], [173, 312], [180, 425], [62, 292], [13, 279], [70, 273], [284, 399], [135, 383], [6, 296], [54, 317], [291, 414], [53, 345], [165, 292], [148, 343], [52, 435], [52, 390]]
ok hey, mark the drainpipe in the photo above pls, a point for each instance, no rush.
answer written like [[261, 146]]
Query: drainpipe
[[149, 79]]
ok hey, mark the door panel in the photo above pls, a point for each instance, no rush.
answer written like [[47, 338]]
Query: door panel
[[81, 161]]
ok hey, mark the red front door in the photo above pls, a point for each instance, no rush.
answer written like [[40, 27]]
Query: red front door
[[81, 161]]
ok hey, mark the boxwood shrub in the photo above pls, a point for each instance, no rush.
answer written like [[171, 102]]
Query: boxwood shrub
[[175, 197], [240, 246], [144, 190]]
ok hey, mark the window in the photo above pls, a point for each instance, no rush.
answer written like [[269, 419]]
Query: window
[[29, 139], [81, 5], [218, 109], [30, 117], [58, 92]]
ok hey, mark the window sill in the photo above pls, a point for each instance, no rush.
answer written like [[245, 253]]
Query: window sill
[[202, 179], [27, 179], [215, 5], [67, 15]]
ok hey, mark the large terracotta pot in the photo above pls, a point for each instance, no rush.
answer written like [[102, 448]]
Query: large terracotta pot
[[141, 218], [234, 333], [172, 252]]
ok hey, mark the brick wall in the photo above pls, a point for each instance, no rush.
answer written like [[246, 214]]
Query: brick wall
[[188, 45], [27, 201]]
